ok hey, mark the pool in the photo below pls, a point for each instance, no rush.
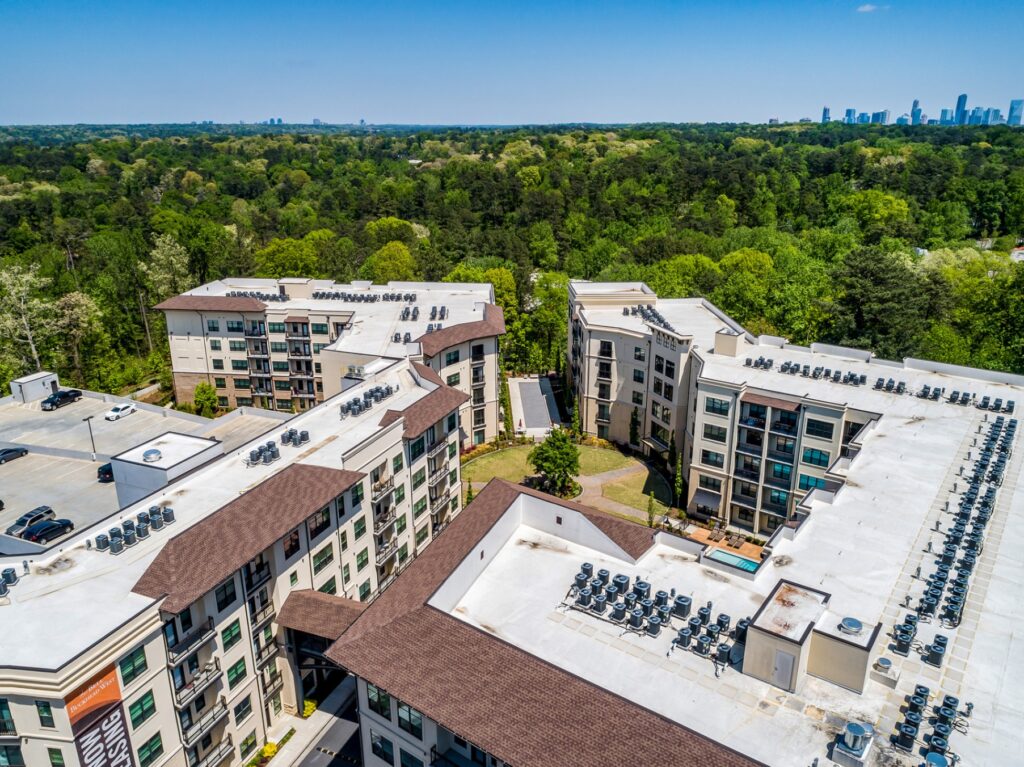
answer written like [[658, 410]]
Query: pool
[[733, 560]]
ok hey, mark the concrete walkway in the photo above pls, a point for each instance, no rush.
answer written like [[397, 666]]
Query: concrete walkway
[[592, 496], [307, 731]]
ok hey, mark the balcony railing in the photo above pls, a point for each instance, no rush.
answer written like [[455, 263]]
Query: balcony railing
[[438, 474], [197, 684], [752, 422], [205, 723], [745, 500], [748, 448], [301, 374], [299, 354], [778, 455], [749, 474], [381, 488], [220, 752], [775, 508], [781, 482], [477, 359], [439, 501], [265, 653], [257, 332], [258, 354], [386, 550], [381, 522], [7, 729], [261, 615], [437, 447], [275, 683], [784, 428], [254, 579], [200, 636], [298, 336]]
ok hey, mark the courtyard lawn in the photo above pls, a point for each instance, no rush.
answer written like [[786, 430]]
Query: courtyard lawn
[[513, 464], [634, 490]]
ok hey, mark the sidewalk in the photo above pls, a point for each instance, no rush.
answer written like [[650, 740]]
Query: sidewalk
[[308, 731]]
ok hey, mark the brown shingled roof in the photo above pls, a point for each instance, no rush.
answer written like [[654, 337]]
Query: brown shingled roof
[[189, 303], [493, 324], [427, 373], [314, 612], [201, 557], [425, 412], [523, 710]]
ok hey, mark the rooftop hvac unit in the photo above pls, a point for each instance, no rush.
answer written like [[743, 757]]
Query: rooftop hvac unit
[[129, 537], [157, 522], [151, 456], [116, 546], [142, 517], [407, 338], [115, 533], [681, 606], [3, 589], [661, 598], [9, 576], [142, 531], [168, 515], [851, 626], [683, 637], [102, 542], [603, 576], [654, 625], [724, 652]]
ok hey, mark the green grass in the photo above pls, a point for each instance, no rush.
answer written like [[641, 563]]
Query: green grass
[[512, 464], [633, 491]]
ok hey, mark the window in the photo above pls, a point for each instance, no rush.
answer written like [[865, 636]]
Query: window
[[142, 709], [230, 636], [292, 544], [716, 433], [319, 522], [346, 574], [362, 560], [604, 412], [396, 463], [716, 406], [822, 429], [222, 401], [638, 376], [478, 437], [243, 709], [225, 594], [604, 349], [133, 665], [213, 326], [323, 558], [242, 383], [421, 534], [45, 712], [401, 523], [478, 417], [419, 478], [399, 493], [220, 383], [451, 358], [657, 386], [670, 369], [343, 536], [319, 328], [379, 701], [452, 424], [275, 327], [669, 391], [639, 354], [638, 398], [451, 450], [364, 591], [284, 404], [604, 390], [236, 345], [243, 401], [150, 751], [710, 483], [10, 756], [604, 370], [405, 759], [282, 386], [236, 326], [57, 757], [281, 366], [293, 579], [278, 347], [419, 507], [781, 471], [659, 363], [711, 458], [417, 448], [218, 364], [246, 746], [778, 497], [808, 482], [236, 673], [816, 457], [453, 379], [357, 494], [330, 586], [239, 365], [410, 720], [359, 527], [453, 478], [403, 553], [214, 345], [382, 748]]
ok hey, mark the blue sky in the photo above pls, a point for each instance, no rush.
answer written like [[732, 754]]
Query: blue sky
[[450, 62]]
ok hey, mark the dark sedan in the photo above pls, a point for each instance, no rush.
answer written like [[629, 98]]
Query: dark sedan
[[105, 473], [10, 453], [44, 532]]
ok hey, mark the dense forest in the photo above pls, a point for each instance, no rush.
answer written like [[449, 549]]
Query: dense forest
[[896, 239]]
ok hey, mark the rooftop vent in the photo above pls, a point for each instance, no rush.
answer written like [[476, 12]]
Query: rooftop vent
[[851, 626], [152, 455]]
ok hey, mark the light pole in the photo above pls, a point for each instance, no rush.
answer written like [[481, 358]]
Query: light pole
[[88, 421]]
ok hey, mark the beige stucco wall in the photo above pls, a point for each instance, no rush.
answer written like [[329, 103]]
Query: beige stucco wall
[[839, 662]]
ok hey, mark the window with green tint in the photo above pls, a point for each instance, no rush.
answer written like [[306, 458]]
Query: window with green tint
[[421, 534], [330, 586], [45, 711], [278, 347], [808, 482], [236, 345], [343, 536], [230, 636], [293, 579], [323, 557], [362, 559], [242, 383], [243, 401], [399, 493], [56, 757], [716, 406], [357, 494], [379, 701], [225, 594], [236, 673], [346, 574], [816, 457], [405, 759], [239, 365], [410, 720], [822, 429], [236, 326], [243, 709], [150, 751], [419, 478], [453, 379], [133, 666], [417, 448], [452, 448], [397, 463], [320, 328], [401, 523], [275, 327], [453, 422], [142, 709], [249, 743], [317, 348], [214, 345], [419, 507], [359, 527], [364, 591], [451, 358], [453, 477], [220, 383], [218, 364], [403, 553], [281, 365]]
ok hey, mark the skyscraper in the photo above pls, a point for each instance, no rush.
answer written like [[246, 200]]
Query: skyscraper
[[863, 118], [1016, 116], [915, 113], [975, 117], [961, 110], [826, 115], [946, 118], [851, 116]]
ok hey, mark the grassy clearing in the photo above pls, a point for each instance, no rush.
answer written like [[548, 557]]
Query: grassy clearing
[[634, 490], [513, 464]]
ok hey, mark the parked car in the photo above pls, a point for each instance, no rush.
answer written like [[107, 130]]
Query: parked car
[[61, 398], [105, 473], [120, 411], [29, 518], [44, 532], [1, 505], [10, 453]]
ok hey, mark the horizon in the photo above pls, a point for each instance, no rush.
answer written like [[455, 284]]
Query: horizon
[[457, 64]]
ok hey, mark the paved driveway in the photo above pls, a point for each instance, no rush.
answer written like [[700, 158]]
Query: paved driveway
[[533, 406]]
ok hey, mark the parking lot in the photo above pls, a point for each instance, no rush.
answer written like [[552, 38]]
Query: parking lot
[[67, 485]]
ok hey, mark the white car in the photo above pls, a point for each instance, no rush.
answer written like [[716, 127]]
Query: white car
[[120, 411]]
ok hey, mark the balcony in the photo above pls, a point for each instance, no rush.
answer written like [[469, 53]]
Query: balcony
[[293, 335], [303, 394], [386, 550], [751, 422], [253, 579], [308, 374], [782, 427], [205, 723], [197, 684], [265, 653], [749, 501], [272, 685], [440, 501], [437, 447], [220, 752], [784, 483], [381, 522], [259, 373], [299, 354], [258, 617], [749, 474], [477, 359], [438, 474], [258, 354], [780, 456], [775, 508], [255, 332], [381, 488], [749, 448], [7, 729], [200, 636]]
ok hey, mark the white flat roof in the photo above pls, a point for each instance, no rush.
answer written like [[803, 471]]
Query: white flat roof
[[173, 448], [688, 316], [75, 597]]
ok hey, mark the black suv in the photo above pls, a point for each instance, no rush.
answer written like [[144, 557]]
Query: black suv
[[61, 398], [105, 473]]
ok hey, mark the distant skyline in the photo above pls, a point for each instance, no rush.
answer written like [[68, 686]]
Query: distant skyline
[[66, 61]]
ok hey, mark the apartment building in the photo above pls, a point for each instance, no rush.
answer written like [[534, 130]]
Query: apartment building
[[292, 343], [170, 632]]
